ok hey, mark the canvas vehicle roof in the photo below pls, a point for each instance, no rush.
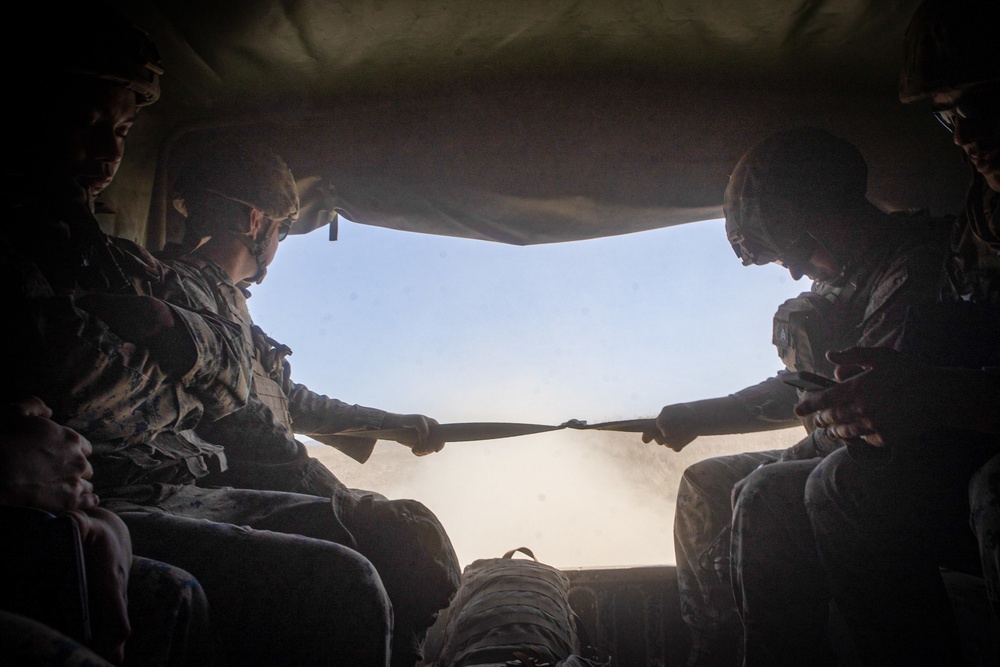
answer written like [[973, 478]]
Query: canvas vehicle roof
[[528, 122]]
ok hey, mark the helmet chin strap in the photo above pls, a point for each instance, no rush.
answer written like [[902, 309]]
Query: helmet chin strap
[[257, 245]]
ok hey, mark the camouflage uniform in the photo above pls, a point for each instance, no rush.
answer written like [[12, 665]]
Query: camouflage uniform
[[167, 612], [94, 382], [975, 256], [870, 310], [407, 544], [883, 530], [139, 421], [28, 643], [170, 617]]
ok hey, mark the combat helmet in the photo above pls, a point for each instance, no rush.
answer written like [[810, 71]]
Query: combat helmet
[[781, 190], [950, 45], [244, 172], [91, 38]]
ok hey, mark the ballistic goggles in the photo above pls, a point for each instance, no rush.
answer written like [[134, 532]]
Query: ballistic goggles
[[753, 244]]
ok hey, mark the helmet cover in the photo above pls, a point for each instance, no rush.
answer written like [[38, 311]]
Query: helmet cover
[[244, 172], [92, 39], [950, 45], [778, 184]]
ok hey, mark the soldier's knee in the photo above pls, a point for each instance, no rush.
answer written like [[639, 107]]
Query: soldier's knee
[[984, 490]]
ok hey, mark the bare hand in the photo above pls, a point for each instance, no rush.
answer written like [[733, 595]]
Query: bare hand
[[43, 464], [886, 401], [107, 550], [422, 442], [676, 427]]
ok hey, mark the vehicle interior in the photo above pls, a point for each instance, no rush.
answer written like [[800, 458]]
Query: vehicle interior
[[528, 123]]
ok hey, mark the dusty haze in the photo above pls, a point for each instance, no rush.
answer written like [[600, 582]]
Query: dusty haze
[[576, 498]]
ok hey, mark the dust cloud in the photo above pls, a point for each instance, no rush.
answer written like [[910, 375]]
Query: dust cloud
[[575, 498]]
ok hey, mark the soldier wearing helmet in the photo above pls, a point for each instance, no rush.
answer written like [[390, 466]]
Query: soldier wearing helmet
[[791, 199], [915, 518], [951, 61], [238, 193], [70, 385], [240, 200], [91, 51], [797, 198], [89, 334]]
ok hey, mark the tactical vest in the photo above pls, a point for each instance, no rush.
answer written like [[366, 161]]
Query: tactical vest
[[974, 259], [805, 327], [268, 374]]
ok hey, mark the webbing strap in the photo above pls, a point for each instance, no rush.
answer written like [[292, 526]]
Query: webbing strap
[[472, 431]]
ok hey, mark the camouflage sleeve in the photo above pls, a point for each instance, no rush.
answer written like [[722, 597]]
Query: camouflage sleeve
[[94, 382], [220, 376], [771, 400], [215, 316], [321, 418], [316, 414], [913, 277]]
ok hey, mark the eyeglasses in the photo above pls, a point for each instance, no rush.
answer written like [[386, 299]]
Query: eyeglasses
[[284, 227], [974, 104], [798, 253]]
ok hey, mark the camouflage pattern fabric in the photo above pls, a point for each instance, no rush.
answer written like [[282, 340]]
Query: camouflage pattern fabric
[[110, 391], [169, 614], [140, 422], [28, 643], [701, 544], [882, 531], [270, 557], [973, 262], [984, 499], [304, 411], [870, 311], [778, 584], [403, 538], [507, 606]]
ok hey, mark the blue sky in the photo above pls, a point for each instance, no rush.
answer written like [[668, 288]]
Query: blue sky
[[465, 330]]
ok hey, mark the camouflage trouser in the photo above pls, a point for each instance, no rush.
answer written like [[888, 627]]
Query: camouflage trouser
[[168, 613], [281, 590], [883, 532], [778, 581], [701, 541], [403, 539], [28, 643], [984, 499]]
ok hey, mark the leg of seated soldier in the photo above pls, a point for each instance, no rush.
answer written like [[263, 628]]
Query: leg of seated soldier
[[276, 598], [416, 561], [701, 542], [882, 531], [778, 581], [404, 540], [28, 643], [409, 548], [170, 618], [984, 498]]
